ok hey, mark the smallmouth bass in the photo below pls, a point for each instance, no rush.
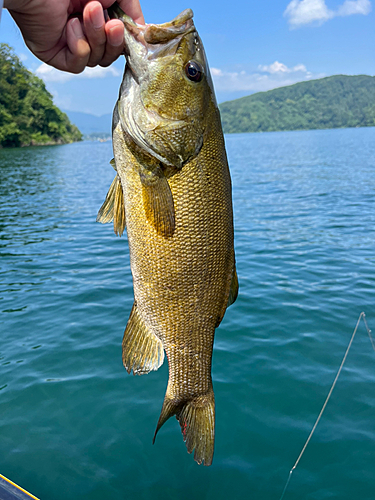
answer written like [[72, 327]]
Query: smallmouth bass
[[172, 191]]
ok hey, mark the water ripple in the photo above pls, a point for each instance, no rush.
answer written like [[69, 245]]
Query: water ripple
[[304, 236]]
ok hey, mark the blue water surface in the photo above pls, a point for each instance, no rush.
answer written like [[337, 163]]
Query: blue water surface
[[74, 425]]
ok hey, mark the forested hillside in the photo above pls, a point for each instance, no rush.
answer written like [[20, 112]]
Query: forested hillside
[[27, 113], [333, 102]]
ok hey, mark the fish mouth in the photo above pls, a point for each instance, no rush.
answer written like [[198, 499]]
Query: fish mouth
[[164, 33], [155, 34]]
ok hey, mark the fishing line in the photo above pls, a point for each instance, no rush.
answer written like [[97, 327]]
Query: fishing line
[[361, 316]]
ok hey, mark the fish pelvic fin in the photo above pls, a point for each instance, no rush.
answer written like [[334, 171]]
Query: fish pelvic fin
[[142, 350], [233, 292], [113, 208], [197, 421]]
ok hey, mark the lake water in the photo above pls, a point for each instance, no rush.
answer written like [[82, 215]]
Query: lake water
[[74, 425]]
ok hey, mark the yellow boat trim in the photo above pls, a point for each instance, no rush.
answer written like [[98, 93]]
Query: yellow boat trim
[[18, 487]]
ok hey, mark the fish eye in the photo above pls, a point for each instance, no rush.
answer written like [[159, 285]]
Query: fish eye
[[194, 71]]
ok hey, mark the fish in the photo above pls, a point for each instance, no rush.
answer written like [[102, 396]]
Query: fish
[[172, 192]]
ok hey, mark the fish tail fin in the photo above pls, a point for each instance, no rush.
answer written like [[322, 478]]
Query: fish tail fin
[[169, 409], [197, 420]]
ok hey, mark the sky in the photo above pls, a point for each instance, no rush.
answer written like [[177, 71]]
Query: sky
[[251, 45]]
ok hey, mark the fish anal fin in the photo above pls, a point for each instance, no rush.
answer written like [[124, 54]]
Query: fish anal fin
[[158, 204], [233, 292], [113, 208], [197, 420], [142, 350]]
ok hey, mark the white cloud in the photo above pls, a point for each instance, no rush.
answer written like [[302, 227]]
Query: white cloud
[[307, 11], [266, 78], [99, 72], [350, 7], [300, 12], [50, 74], [61, 101], [278, 67]]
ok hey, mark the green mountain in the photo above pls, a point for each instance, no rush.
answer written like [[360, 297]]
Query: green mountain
[[27, 113], [334, 102]]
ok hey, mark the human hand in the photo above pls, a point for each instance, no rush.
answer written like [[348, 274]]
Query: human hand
[[72, 34]]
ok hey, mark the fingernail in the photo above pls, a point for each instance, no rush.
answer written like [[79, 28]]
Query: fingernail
[[97, 18], [117, 37], [77, 28]]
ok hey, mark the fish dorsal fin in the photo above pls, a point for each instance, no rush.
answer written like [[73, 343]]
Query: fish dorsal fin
[[158, 202], [142, 350], [113, 208], [233, 292]]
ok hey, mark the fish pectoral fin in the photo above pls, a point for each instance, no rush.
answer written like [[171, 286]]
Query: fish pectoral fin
[[142, 350], [113, 208], [105, 213], [119, 219], [233, 292], [197, 420], [158, 203]]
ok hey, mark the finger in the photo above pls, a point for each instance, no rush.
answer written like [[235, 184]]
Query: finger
[[133, 9], [115, 42], [94, 25], [75, 56]]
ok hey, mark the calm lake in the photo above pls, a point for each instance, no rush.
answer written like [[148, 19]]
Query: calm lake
[[74, 425]]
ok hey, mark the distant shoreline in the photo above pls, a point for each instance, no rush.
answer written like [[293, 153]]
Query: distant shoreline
[[38, 144]]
